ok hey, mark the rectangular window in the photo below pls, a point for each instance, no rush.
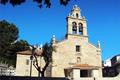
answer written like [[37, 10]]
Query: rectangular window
[[77, 48], [85, 73], [27, 61]]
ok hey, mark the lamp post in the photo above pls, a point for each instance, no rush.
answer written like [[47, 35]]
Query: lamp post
[[31, 59]]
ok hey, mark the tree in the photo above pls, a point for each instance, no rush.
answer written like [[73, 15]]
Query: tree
[[47, 55], [9, 44], [8, 34], [40, 3], [18, 46]]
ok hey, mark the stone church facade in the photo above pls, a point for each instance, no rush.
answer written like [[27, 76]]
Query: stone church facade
[[75, 56]]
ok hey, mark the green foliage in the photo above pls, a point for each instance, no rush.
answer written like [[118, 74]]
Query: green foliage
[[13, 2], [47, 55], [40, 3], [8, 34], [20, 45], [9, 44], [47, 52]]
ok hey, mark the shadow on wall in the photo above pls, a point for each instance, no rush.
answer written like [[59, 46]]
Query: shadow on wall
[[53, 78], [30, 78]]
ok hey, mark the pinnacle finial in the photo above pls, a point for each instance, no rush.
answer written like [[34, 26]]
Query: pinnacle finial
[[53, 39], [76, 7], [53, 36], [98, 45]]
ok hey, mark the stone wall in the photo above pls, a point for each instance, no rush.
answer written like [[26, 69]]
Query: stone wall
[[66, 55], [23, 67]]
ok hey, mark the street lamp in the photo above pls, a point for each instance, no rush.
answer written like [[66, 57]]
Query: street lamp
[[31, 59]]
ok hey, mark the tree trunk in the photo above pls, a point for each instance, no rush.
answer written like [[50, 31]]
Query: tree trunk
[[42, 74]]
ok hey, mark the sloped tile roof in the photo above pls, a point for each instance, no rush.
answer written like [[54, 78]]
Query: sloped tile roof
[[29, 52], [84, 66]]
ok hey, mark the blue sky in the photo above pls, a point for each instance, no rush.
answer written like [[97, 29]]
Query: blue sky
[[38, 25]]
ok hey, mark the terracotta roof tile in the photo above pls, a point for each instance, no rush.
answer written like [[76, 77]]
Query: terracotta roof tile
[[84, 66], [29, 52]]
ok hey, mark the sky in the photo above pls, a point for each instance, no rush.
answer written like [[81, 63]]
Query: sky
[[37, 25]]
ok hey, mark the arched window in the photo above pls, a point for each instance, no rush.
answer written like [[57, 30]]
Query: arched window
[[78, 60], [80, 28], [77, 16], [74, 28]]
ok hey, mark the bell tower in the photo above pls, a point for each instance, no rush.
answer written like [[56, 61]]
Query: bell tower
[[76, 24]]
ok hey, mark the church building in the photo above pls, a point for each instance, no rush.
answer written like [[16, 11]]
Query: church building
[[75, 57]]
